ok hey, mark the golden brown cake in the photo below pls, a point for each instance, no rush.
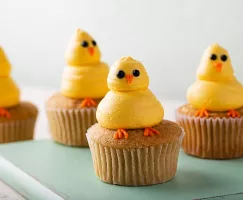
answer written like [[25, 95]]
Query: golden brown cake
[[72, 111], [131, 144], [213, 117]]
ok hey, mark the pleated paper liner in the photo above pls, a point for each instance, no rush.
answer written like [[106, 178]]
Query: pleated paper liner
[[213, 138], [69, 126], [18, 130], [137, 160]]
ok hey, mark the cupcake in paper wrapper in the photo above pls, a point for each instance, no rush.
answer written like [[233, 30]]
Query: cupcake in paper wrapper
[[72, 111], [17, 119], [20, 125], [68, 122], [131, 144], [213, 117], [137, 160], [215, 137]]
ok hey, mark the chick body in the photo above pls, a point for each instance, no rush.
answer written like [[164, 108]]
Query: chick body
[[88, 81], [10, 94], [129, 110], [85, 76], [216, 87], [129, 105]]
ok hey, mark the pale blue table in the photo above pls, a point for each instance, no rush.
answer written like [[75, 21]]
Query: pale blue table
[[42, 170]]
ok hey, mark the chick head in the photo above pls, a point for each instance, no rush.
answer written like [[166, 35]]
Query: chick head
[[215, 64], [5, 66], [82, 50], [126, 75]]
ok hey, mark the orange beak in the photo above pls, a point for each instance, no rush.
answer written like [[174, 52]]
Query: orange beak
[[218, 66], [91, 51], [129, 78]]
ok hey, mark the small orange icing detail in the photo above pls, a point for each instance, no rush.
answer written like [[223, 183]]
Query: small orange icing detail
[[5, 113], [129, 78], [88, 102], [202, 113], [218, 66], [150, 131], [120, 133], [233, 113], [91, 51]]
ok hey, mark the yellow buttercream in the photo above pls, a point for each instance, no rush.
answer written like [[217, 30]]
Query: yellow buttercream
[[85, 76], [129, 104], [10, 94], [77, 54], [216, 87], [127, 64], [85, 81]]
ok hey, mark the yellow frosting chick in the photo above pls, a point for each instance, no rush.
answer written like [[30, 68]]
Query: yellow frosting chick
[[129, 104], [10, 94], [85, 76], [216, 88]]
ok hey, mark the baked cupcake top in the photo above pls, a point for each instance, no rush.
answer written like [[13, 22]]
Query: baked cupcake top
[[85, 75], [22, 111], [216, 88], [129, 104], [58, 101], [188, 110], [169, 132], [10, 94]]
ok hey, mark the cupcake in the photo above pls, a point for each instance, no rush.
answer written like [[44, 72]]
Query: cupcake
[[72, 111], [131, 144], [17, 119], [213, 118]]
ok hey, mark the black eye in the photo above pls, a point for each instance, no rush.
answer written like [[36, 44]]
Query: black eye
[[136, 73], [85, 44], [94, 43], [120, 74], [213, 57], [223, 57]]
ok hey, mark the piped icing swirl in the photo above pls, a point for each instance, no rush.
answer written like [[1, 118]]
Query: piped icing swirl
[[85, 76], [216, 87], [129, 104], [10, 94]]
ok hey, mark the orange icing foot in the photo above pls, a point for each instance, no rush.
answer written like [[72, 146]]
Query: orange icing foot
[[150, 131], [201, 113], [88, 102], [120, 133], [233, 113], [4, 113]]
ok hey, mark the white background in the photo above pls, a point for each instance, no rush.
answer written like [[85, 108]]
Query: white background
[[169, 37]]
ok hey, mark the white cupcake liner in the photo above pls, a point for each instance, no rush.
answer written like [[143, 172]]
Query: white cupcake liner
[[214, 138], [69, 126], [17, 130]]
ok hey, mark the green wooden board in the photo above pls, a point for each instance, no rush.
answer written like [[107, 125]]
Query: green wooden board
[[46, 170]]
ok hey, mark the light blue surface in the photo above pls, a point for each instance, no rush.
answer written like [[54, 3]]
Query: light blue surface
[[68, 172]]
